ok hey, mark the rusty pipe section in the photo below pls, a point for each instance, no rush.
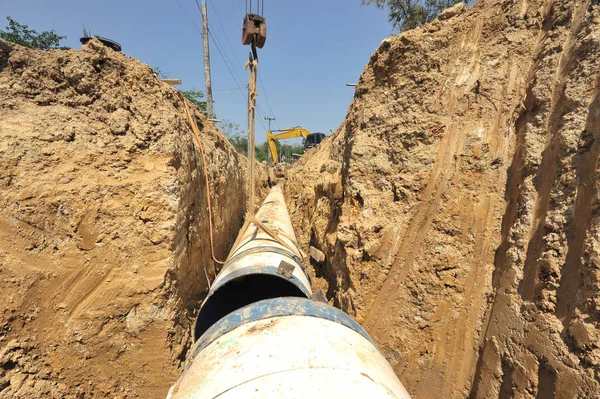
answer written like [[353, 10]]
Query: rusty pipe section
[[258, 334], [258, 267]]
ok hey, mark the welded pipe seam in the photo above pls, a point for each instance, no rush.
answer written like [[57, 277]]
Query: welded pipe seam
[[246, 241], [271, 249], [289, 356]]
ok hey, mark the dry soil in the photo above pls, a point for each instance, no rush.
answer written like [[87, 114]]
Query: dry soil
[[458, 203], [457, 206], [104, 250]]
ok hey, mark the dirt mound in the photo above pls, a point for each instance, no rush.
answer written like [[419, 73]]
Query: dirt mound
[[104, 244], [458, 203]]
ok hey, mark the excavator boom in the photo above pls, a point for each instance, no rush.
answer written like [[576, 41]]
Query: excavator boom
[[288, 133]]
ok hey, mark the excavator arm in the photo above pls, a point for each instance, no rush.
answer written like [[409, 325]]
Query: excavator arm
[[289, 133]]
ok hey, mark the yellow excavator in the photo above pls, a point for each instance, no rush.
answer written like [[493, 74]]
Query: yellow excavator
[[310, 139]]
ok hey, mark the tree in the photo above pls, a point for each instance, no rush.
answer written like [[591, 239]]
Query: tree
[[236, 137], [408, 14], [196, 97], [21, 34], [286, 151], [239, 140], [262, 152]]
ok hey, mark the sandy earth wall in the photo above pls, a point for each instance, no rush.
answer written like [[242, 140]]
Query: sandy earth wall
[[103, 224], [458, 202]]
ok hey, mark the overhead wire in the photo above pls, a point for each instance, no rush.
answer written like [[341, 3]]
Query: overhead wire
[[188, 16], [237, 15], [260, 82], [218, 44], [218, 49], [231, 73], [225, 61], [224, 32], [233, 76]]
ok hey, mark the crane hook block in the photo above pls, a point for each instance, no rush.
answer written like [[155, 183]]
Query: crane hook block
[[254, 30]]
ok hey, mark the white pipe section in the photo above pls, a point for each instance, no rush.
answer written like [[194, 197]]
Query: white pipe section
[[288, 356], [258, 267], [274, 214]]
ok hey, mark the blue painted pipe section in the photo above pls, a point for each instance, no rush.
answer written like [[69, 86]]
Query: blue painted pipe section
[[277, 307]]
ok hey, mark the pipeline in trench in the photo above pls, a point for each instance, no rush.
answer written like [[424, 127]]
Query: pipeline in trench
[[258, 330]]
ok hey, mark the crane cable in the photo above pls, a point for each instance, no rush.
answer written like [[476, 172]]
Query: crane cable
[[258, 7]]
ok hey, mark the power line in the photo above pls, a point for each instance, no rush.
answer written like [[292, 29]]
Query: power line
[[260, 82], [238, 15], [236, 82], [224, 60], [218, 44], [219, 50], [224, 32], [239, 6], [235, 79], [187, 15], [227, 65]]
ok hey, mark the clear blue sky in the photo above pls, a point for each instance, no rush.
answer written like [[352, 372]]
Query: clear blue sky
[[313, 49]]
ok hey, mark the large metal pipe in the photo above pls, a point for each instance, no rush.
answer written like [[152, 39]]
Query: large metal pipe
[[287, 348], [258, 335], [254, 268]]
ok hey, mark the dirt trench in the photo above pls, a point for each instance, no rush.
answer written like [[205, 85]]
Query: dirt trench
[[458, 205], [104, 249]]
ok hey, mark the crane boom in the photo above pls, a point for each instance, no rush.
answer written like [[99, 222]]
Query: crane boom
[[288, 133]]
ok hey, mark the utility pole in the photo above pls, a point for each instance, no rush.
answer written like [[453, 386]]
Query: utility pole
[[268, 118], [209, 99]]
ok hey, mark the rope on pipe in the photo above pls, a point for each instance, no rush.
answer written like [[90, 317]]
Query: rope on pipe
[[276, 236]]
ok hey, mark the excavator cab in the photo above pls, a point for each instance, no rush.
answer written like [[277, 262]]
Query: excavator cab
[[254, 30], [313, 139]]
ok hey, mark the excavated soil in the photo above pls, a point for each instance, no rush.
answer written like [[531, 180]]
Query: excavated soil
[[104, 250], [458, 204]]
